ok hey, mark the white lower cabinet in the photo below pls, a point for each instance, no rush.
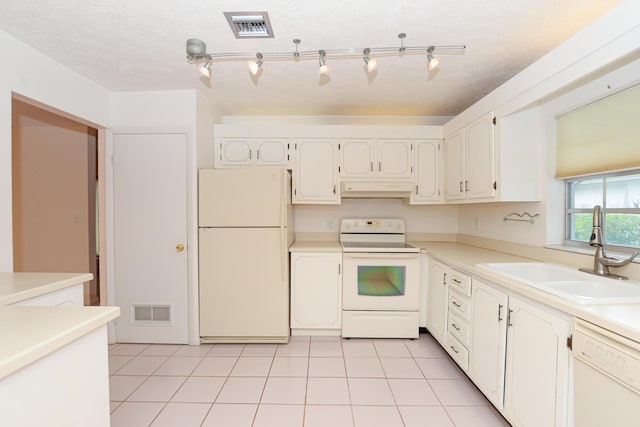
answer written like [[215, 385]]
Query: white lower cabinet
[[437, 300], [488, 340], [458, 316], [513, 348], [316, 292], [537, 371]]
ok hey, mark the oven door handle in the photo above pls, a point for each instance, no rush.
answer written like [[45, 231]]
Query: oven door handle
[[377, 255]]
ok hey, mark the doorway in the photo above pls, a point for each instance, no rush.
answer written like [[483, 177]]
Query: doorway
[[54, 193]]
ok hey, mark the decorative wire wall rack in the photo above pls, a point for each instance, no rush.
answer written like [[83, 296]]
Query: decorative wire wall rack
[[521, 217]]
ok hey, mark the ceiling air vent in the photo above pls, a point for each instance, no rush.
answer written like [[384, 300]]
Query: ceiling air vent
[[246, 25]]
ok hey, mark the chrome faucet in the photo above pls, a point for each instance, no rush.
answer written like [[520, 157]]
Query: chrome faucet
[[602, 262]]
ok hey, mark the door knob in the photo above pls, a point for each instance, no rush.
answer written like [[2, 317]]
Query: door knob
[[179, 247]]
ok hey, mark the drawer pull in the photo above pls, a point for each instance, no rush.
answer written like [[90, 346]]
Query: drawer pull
[[456, 304], [457, 281], [454, 349], [455, 326]]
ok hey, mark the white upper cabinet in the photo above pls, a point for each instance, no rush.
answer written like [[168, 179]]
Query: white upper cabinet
[[382, 158], [470, 161], [426, 172], [234, 152], [315, 175], [454, 166], [480, 159]]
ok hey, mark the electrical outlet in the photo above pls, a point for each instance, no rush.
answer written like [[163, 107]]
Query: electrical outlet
[[331, 222], [476, 223]]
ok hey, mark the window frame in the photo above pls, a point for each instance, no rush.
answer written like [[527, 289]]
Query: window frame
[[569, 211]]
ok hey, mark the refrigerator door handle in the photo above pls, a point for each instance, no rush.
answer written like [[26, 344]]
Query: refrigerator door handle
[[283, 229]]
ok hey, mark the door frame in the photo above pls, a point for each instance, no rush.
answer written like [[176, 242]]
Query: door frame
[[192, 222]]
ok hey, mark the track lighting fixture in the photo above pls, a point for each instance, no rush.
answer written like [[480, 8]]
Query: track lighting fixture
[[197, 54], [254, 66], [432, 60], [205, 69], [371, 63], [324, 68]]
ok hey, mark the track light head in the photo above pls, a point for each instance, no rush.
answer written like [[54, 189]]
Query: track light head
[[371, 63], [433, 61], [205, 69], [254, 66], [324, 68]]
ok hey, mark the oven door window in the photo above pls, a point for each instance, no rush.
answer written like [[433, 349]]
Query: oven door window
[[381, 281]]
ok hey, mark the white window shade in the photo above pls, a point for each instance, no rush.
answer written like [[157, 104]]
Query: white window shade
[[601, 137]]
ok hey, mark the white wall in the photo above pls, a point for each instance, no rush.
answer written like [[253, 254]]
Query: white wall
[[31, 74], [418, 219]]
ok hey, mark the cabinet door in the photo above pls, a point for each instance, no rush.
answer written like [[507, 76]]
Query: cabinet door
[[488, 340], [315, 175], [395, 158], [454, 160], [480, 158], [438, 300], [357, 157], [234, 152], [316, 290], [272, 152], [537, 366], [426, 172]]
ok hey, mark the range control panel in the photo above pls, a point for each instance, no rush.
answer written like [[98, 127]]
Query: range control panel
[[372, 225]]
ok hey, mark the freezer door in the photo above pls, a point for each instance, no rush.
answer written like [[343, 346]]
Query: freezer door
[[244, 283], [247, 197]]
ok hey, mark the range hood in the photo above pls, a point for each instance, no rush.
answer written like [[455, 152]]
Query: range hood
[[377, 189]]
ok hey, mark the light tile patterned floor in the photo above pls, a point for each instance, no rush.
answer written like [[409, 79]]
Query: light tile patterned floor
[[310, 382]]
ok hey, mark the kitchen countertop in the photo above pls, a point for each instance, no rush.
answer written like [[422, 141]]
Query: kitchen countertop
[[30, 333], [16, 287], [316, 246], [623, 319]]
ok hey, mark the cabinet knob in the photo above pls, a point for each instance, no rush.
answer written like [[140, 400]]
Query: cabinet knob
[[179, 247]]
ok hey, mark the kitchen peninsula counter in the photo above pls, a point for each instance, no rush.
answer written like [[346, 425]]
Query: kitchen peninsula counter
[[17, 287], [53, 357]]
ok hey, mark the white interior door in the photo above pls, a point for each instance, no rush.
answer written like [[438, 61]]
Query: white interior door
[[150, 237]]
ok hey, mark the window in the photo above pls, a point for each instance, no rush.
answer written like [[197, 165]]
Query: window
[[619, 196]]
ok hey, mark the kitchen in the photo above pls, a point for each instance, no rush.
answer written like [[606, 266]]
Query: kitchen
[[481, 222]]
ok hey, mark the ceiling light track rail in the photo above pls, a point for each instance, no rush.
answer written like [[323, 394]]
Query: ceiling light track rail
[[197, 54]]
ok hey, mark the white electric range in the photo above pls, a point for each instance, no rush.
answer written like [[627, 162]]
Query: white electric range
[[381, 279]]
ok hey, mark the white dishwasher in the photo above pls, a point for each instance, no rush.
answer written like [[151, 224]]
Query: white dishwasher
[[606, 378]]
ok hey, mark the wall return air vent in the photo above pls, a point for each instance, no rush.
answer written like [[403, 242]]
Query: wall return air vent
[[151, 314], [246, 25]]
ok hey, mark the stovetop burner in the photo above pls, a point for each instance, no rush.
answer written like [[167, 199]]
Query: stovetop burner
[[374, 235]]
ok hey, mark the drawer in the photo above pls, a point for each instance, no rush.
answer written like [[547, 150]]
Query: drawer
[[461, 282], [459, 305], [458, 352], [459, 329]]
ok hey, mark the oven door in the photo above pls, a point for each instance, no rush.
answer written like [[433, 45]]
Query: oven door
[[381, 281]]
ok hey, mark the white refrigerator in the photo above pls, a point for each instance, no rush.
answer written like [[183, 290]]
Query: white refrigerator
[[245, 230]]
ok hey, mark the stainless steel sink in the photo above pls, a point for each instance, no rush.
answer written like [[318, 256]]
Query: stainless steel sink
[[568, 283]]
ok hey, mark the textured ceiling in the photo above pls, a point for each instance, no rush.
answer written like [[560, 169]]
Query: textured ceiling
[[140, 45]]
